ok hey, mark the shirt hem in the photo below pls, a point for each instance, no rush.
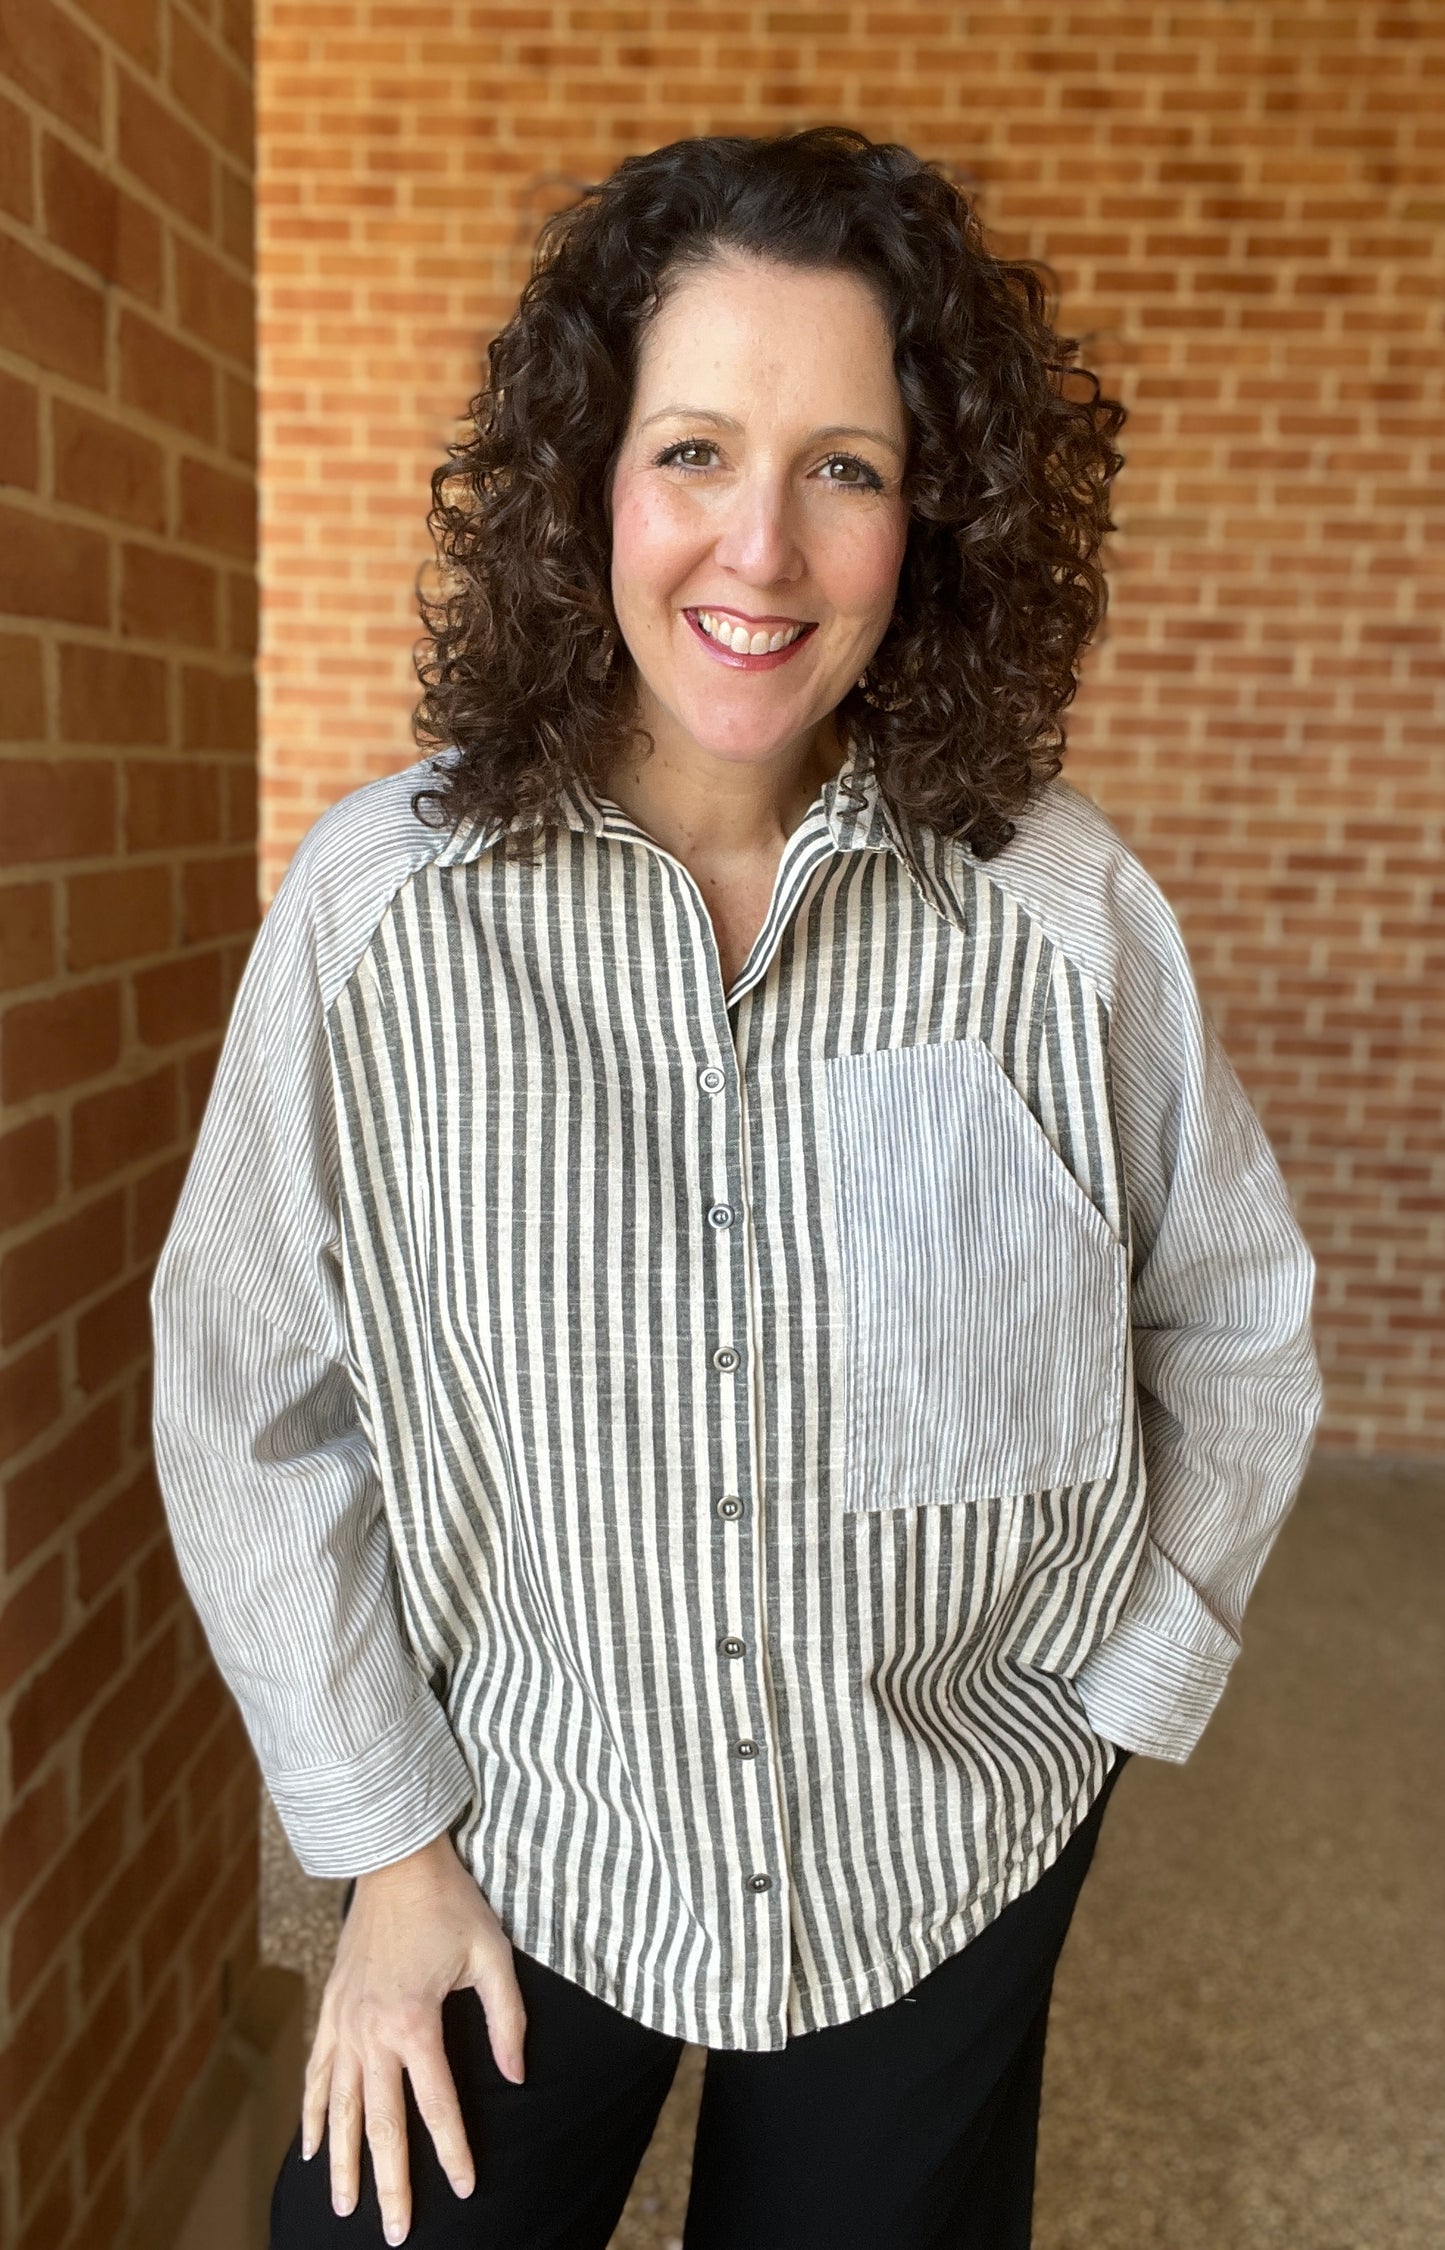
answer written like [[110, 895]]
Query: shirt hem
[[816, 2007], [1022, 1874]]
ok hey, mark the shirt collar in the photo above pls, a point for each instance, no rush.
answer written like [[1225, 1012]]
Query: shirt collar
[[852, 825]]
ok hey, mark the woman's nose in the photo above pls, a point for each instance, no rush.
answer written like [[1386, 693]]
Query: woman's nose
[[758, 540]]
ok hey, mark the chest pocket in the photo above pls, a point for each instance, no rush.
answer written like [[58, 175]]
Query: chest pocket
[[986, 1297]]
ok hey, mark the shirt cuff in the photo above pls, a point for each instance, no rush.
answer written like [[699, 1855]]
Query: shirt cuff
[[400, 1793], [1143, 1692]]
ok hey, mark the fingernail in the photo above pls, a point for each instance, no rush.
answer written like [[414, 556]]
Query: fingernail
[[462, 2187], [395, 2231], [308, 2150], [342, 2206]]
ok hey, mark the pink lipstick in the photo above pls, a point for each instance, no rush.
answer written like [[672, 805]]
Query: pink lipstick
[[721, 631]]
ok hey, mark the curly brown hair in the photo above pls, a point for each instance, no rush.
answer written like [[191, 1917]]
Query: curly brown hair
[[1007, 484]]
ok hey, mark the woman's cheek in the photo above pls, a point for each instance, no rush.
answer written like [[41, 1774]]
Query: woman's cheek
[[653, 535], [864, 576]]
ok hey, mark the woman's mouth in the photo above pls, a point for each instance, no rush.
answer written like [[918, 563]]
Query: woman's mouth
[[748, 644]]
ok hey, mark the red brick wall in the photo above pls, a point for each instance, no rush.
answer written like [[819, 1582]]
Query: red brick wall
[[1243, 201], [127, 878]]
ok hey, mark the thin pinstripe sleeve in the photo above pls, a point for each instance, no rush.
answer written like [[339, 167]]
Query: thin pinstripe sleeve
[[1227, 1375], [269, 1483]]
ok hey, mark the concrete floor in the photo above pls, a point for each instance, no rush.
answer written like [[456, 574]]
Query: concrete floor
[[1247, 2047]]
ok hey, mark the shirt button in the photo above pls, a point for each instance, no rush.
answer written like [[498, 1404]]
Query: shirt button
[[730, 1645], [720, 1215], [760, 1882], [730, 1506], [712, 1080], [747, 1749], [725, 1359]]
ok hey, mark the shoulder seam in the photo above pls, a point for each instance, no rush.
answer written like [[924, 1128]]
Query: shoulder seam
[[1120, 873], [346, 862]]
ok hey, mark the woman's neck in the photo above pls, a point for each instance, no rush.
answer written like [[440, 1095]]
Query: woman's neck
[[699, 806]]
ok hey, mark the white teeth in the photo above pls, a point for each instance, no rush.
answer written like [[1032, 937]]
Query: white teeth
[[740, 640]]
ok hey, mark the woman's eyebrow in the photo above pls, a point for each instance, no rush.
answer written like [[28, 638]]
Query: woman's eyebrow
[[690, 414], [729, 422], [845, 430]]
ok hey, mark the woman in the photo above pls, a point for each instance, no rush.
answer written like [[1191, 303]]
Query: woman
[[731, 1342]]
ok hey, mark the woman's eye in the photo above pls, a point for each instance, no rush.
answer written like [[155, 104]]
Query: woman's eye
[[854, 475], [685, 455]]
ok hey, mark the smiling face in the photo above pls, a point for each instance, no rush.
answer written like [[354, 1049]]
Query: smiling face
[[758, 522]]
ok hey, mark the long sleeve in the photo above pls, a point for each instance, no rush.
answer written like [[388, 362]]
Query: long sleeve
[[1228, 1381], [268, 1478]]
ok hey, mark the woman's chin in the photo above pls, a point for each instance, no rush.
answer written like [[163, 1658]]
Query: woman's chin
[[747, 738]]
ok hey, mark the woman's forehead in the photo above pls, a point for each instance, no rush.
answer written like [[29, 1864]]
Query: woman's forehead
[[738, 333]]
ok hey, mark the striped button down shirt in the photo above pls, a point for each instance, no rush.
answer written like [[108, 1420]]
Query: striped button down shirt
[[740, 1457]]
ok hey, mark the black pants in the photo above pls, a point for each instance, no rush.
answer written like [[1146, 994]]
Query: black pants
[[911, 2128]]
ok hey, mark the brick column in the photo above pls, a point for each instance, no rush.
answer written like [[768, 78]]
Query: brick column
[[127, 886]]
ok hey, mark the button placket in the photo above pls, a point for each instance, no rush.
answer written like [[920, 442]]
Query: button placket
[[723, 1214]]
